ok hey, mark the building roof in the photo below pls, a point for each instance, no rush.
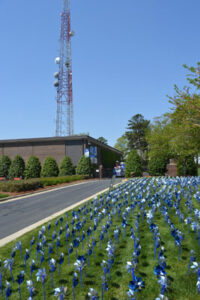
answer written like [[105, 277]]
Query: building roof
[[58, 139]]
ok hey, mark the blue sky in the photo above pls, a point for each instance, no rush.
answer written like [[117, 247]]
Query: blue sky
[[127, 55]]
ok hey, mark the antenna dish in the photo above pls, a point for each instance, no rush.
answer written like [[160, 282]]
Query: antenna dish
[[57, 60], [56, 74]]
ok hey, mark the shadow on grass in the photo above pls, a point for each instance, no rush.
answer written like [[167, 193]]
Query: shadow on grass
[[115, 285], [118, 273]]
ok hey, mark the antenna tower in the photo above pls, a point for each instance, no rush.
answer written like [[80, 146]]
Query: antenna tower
[[63, 82]]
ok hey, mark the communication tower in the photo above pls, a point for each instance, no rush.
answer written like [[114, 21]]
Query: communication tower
[[63, 78]]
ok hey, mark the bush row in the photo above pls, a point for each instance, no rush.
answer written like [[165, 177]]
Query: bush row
[[33, 169], [33, 184]]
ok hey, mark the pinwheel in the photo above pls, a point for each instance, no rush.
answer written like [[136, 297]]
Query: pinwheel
[[110, 252], [104, 286], [29, 285], [32, 243], [54, 235], [39, 248], [56, 224], [89, 252], [58, 244], [20, 280], [192, 259], [93, 245], [49, 227], [101, 237], [73, 233], [13, 252], [60, 292], [75, 282], [124, 224], [32, 267], [70, 250], [93, 295], [52, 265], [131, 268], [76, 244], [163, 282], [60, 261], [39, 235], [67, 236], [8, 290], [60, 231], [41, 258], [61, 220], [89, 231], [130, 294], [43, 229], [8, 263], [157, 245], [44, 242], [40, 276], [82, 238], [79, 266], [19, 247], [26, 257], [50, 250]]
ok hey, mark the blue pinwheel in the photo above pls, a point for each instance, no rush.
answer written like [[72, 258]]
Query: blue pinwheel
[[32, 267], [93, 245], [56, 224], [104, 286], [30, 287], [19, 247], [26, 257], [43, 229], [40, 276], [50, 250], [82, 238], [130, 294], [58, 244], [61, 220], [89, 252], [75, 283], [130, 266], [67, 236], [52, 265], [32, 243], [192, 259], [60, 231], [20, 280], [39, 248], [89, 231], [41, 258], [49, 227], [39, 235], [76, 244], [44, 242], [60, 292], [79, 266], [93, 295], [8, 290], [54, 235], [8, 263], [60, 261], [70, 250]]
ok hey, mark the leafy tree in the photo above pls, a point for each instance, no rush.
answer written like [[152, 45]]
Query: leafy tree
[[102, 140], [33, 167], [17, 167], [49, 167], [157, 165], [122, 145], [66, 167], [5, 163], [84, 166], [186, 166], [133, 164], [137, 126]]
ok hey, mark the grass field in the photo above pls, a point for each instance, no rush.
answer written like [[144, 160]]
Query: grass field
[[140, 216]]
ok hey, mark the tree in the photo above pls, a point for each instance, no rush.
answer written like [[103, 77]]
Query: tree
[[133, 165], [186, 166], [5, 163], [17, 167], [157, 165], [84, 166], [66, 167], [102, 140], [122, 145], [137, 126], [49, 168], [33, 167]]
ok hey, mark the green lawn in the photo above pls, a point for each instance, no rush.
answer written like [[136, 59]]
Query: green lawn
[[129, 194], [3, 196]]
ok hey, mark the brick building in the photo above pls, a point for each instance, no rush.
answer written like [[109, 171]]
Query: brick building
[[58, 147]]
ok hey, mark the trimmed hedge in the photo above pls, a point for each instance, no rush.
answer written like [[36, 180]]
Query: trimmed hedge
[[17, 167], [20, 186], [33, 167], [49, 167], [66, 167], [5, 163], [57, 180], [33, 184], [84, 166]]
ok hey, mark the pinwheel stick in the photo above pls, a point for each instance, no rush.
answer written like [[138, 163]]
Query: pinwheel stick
[[81, 278], [1, 285], [73, 292], [102, 285], [11, 272], [43, 281], [19, 291]]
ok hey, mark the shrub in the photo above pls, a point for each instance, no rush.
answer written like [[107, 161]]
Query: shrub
[[84, 166], [5, 163], [66, 167], [57, 180], [49, 168], [17, 167], [33, 167], [186, 166], [133, 164], [157, 165], [20, 186]]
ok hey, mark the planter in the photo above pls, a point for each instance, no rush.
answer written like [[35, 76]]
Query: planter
[[2, 178], [17, 178]]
